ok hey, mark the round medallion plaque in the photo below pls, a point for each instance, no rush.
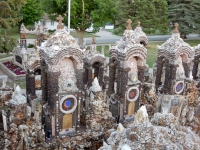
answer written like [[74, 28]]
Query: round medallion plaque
[[68, 104], [179, 86], [132, 94]]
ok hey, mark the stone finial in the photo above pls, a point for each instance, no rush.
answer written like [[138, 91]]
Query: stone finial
[[176, 28], [139, 23], [60, 19], [128, 27], [93, 40]]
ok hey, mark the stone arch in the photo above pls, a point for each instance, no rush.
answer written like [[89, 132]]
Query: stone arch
[[99, 59], [139, 52]]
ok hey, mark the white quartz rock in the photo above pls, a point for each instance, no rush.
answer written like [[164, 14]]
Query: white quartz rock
[[141, 117], [95, 86], [17, 97], [120, 128], [125, 147]]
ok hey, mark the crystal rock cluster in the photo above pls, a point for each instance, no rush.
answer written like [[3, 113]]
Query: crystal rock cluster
[[162, 132]]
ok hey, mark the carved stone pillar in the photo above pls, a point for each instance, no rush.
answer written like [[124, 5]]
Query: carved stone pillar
[[170, 78], [187, 69], [79, 78], [32, 85], [173, 69], [141, 70], [124, 81], [195, 67], [85, 76], [159, 72], [53, 88], [27, 83], [90, 76], [44, 83], [119, 78], [111, 79], [101, 70]]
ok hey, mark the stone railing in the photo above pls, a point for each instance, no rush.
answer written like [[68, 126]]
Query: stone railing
[[11, 74]]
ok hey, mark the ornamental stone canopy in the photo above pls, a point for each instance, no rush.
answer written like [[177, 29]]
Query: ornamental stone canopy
[[131, 38], [59, 41], [174, 43]]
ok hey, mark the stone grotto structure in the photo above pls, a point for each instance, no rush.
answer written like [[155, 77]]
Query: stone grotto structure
[[77, 99], [127, 66], [174, 65]]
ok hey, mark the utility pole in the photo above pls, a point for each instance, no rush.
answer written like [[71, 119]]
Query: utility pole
[[69, 11]]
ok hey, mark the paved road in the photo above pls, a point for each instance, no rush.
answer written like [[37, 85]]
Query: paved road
[[107, 38], [113, 39]]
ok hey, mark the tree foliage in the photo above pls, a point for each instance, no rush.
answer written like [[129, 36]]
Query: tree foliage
[[7, 44], [151, 13], [84, 13], [32, 11], [9, 17], [186, 14], [9, 14]]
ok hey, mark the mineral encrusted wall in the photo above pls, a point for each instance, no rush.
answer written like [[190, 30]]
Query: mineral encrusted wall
[[53, 88], [44, 83], [170, 77], [195, 67], [112, 73]]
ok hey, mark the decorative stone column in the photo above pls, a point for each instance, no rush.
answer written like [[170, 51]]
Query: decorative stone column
[[124, 81], [44, 83], [159, 72], [195, 67], [101, 71], [53, 88], [90, 76], [79, 78], [187, 69], [32, 85], [85, 75], [119, 78], [170, 78], [27, 83], [141, 70], [111, 78]]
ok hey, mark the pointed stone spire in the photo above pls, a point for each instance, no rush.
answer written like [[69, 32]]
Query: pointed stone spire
[[60, 19], [128, 27], [139, 23], [176, 28]]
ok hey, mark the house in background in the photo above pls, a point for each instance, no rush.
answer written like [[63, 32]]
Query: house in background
[[52, 25]]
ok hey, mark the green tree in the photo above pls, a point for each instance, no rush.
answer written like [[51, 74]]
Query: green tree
[[84, 13], [186, 14], [9, 17], [151, 13], [32, 11]]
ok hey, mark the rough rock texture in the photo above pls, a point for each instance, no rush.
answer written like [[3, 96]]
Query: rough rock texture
[[163, 132]]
